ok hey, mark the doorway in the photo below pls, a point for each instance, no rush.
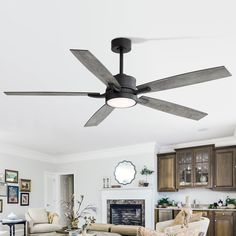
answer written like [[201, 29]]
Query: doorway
[[66, 193]]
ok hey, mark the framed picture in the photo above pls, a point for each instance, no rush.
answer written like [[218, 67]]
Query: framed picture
[[12, 194], [1, 206], [25, 185], [2, 179], [24, 199], [11, 176], [3, 189]]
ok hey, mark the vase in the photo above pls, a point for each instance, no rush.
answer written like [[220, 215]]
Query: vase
[[74, 224], [231, 206], [84, 232]]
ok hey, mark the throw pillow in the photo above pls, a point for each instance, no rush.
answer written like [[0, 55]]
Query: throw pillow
[[50, 217], [179, 219], [196, 217]]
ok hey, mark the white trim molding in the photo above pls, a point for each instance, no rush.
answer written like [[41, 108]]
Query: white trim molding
[[20, 152], [131, 150], [219, 142]]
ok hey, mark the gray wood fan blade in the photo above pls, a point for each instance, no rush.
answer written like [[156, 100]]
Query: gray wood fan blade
[[186, 79], [95, 67], [99, 116], [42, 93], [171, 108], [137, 40]]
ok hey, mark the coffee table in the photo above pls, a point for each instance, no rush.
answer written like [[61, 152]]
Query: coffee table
[[65, 231], [101, 233]]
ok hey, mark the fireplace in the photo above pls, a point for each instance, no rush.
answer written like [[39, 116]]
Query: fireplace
[[126, 212]]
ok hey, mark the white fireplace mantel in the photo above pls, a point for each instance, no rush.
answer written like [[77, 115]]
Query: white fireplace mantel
[[146, 194]]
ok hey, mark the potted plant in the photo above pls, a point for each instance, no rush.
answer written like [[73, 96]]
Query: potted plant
[[230, 202], [163, 202], [145, 171]]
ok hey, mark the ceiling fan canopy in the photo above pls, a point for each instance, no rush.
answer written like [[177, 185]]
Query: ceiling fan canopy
[[122, 92]]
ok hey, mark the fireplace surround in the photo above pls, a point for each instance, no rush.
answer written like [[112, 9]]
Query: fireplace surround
[[136, 193], [126, 212]]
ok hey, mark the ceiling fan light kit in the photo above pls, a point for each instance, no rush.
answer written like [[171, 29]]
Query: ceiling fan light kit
[[126, 96], [122, 92]]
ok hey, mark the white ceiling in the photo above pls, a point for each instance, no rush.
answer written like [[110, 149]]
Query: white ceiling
[[35, 40]]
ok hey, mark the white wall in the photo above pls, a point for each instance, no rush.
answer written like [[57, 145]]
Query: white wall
[[28, 169], [90, 172]]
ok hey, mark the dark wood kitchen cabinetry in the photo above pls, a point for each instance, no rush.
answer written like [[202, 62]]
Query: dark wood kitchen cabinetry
[[223, 223], [194, 167], [166, 172], [225, 169]]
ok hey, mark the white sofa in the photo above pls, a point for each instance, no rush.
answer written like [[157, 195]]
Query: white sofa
[[38, 222], [202, 225]]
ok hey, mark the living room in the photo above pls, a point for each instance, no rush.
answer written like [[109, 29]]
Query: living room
[[56, 142]]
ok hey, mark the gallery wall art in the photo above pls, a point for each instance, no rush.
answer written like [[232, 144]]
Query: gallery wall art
[[13, 194], [11, 176]]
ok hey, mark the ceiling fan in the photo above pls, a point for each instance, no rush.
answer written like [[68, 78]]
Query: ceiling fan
[[122, 92]]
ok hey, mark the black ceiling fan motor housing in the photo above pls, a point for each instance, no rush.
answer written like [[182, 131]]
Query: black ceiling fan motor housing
[[128, 88]]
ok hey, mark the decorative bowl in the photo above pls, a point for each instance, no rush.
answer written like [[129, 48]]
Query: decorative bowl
[[231, 206], [11, 216]]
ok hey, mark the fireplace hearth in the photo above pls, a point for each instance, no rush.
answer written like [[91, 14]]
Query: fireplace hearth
[[126, 212]]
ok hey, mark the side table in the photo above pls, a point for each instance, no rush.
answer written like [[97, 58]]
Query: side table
[[12, 223]]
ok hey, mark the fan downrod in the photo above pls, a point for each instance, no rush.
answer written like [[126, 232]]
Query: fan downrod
[[121, 46]]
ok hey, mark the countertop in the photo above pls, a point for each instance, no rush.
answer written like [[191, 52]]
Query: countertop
[[200, 208]]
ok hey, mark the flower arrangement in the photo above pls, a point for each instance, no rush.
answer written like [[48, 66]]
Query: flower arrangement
[[88, 221], [73, 213]]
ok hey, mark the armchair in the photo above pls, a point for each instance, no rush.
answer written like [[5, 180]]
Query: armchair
[[201, 225], [41, 222]]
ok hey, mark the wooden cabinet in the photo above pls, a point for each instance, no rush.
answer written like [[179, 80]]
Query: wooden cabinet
[[162, 215], [210, 230], [225, 169], [166, 172], [184, 168], [223, 224], [194, 167]]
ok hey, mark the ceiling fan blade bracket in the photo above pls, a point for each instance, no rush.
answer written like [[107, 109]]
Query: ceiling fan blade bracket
[[96, 95], [113, 87], [144, 90]]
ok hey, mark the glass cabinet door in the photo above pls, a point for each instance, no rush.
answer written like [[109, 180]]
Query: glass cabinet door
[[202, 167], [185, 170]]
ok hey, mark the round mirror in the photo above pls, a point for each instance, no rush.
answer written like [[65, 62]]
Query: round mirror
[[125, 172]]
